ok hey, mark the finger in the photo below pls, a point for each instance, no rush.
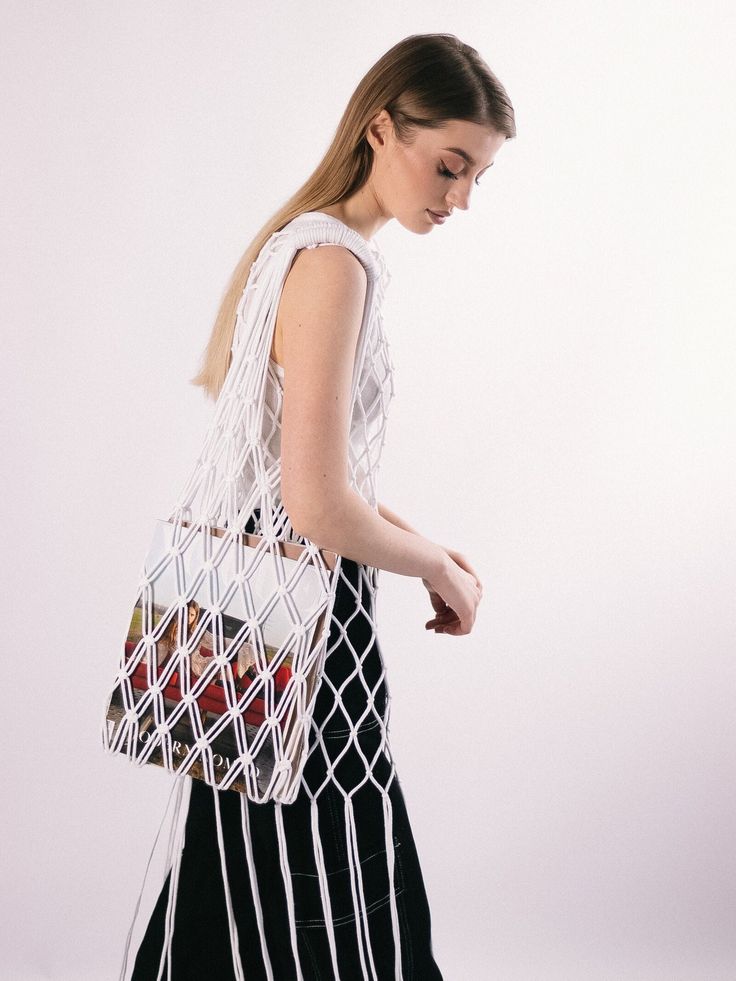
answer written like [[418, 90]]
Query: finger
[[440, 622], [454, 628], [445, 627], [447, 617]]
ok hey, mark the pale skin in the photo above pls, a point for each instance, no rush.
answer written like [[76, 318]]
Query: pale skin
[[315, 340]]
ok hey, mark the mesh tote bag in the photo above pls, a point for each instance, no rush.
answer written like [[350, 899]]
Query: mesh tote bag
[[225, 646]]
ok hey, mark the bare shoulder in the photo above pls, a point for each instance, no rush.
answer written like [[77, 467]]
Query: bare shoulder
[[326, 285], [327, 271], [320, 316]]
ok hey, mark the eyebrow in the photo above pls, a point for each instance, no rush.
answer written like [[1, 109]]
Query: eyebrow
[[464, 154]]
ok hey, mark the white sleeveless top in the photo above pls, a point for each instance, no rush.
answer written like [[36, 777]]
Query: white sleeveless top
[[375, 385]]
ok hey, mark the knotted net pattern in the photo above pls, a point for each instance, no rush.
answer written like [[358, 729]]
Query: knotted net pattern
[[236, 483]]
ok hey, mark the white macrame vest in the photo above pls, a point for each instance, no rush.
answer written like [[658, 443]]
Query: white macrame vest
[[238, 471]]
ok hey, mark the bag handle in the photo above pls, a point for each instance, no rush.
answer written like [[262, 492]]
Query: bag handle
[[240, 404]]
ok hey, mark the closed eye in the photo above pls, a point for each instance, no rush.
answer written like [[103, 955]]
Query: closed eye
[[456, 177]]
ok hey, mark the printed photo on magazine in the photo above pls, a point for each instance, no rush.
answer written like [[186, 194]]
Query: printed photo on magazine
[[192, 666]]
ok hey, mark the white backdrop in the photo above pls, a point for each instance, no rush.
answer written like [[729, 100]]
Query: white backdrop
[[564, 415]]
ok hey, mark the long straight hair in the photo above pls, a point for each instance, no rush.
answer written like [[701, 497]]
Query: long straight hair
[[424, 80]]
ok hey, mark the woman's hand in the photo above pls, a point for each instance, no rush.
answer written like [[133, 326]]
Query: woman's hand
[[454, 597]]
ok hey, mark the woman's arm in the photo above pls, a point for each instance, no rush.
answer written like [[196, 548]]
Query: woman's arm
[[320, 312], [349, 526], [391, 516], [456, 556]]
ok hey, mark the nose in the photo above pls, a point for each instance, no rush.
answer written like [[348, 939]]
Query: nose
[[459, 198]]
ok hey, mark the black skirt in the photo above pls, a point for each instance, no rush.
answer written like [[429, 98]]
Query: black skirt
[[268, 937]]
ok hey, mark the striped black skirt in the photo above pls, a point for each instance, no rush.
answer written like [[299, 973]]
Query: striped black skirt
[[249, 900]]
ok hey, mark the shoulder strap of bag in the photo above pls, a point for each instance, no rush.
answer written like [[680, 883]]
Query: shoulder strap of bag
[[308, 232], [239, 409]]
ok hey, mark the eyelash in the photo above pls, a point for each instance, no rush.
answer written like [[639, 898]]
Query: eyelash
[[448, 173]]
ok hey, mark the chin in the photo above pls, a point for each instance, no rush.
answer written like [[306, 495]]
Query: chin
[[427, 224], [419, 226]]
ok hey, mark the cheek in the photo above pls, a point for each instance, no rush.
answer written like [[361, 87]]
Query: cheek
[[427, 187], [416, 175]]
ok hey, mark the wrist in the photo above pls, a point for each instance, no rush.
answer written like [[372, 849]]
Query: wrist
[[437, 572]]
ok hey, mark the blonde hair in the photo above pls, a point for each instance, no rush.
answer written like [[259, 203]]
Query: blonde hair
[[171, 635], [424, 80]]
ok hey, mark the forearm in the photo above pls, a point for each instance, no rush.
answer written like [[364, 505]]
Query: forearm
[[354, 530], [391, 516]]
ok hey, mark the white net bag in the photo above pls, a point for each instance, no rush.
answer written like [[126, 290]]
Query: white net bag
[[226, 643]]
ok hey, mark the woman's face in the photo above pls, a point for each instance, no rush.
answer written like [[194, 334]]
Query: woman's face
[[436, 173]]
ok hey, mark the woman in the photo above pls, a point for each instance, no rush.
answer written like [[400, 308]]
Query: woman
[[271, 890], [165, 647]]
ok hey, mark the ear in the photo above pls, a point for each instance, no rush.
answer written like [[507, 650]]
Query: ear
[[378, 130]]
